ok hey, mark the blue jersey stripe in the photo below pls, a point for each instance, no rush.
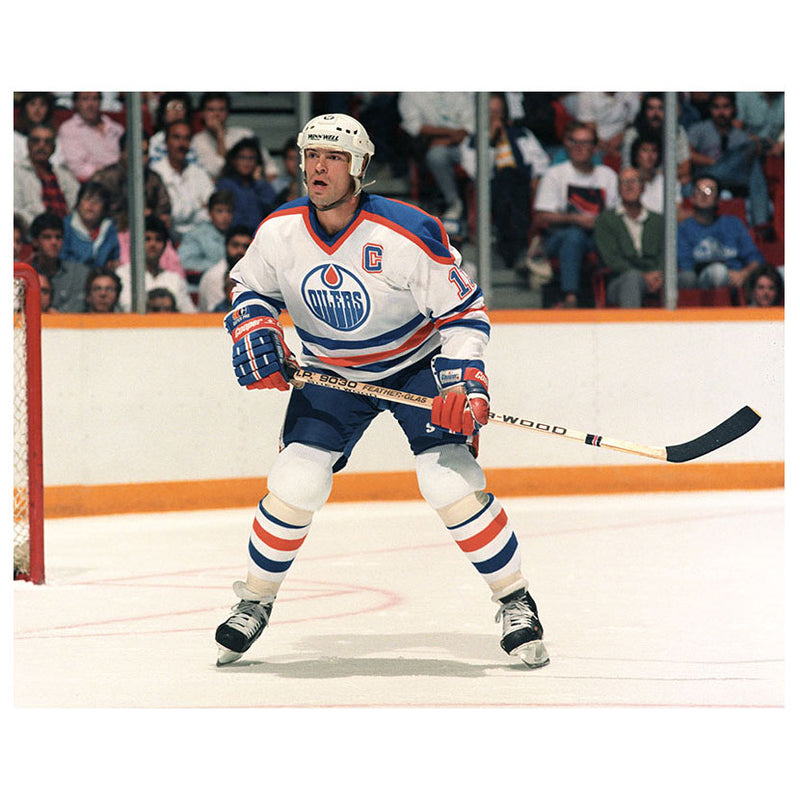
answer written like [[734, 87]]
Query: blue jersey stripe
[[362, 344]]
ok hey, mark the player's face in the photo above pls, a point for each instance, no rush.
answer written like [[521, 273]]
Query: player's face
[[327, 175]]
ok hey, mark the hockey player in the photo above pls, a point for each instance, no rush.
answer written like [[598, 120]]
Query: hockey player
[[376, 293]]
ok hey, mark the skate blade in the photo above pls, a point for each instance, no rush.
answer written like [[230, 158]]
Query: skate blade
[[225, 656], [533, 654]]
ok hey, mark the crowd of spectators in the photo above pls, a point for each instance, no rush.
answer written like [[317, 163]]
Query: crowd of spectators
[[577, 191]]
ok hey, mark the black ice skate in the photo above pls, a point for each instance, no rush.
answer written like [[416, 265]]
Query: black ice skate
[[250, 617], [522, 630]]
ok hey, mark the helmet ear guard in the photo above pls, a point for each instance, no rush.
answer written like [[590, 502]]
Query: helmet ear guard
[[339, 132]]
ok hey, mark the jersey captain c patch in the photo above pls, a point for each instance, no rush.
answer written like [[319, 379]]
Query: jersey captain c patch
[[336, 297]]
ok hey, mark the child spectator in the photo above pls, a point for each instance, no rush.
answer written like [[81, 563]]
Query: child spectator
[[204, 243], [90, 237], [67, 278]]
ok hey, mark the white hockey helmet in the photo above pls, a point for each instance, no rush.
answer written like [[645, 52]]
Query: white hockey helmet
[[339, 132]]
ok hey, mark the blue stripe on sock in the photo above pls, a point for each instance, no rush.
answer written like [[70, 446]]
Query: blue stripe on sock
[[277, 521], [497, 562], [267, 564]]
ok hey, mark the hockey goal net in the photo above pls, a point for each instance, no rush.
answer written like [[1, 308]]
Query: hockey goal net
[[28, 475]]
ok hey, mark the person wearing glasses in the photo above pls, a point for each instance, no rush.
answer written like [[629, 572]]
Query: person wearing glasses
[[569, 198], [102, 291]]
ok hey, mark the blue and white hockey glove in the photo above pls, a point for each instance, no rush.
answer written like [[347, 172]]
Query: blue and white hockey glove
[[261, 359], [463, 402]]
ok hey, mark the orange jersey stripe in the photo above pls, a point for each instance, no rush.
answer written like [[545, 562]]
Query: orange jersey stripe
[[351, 361]]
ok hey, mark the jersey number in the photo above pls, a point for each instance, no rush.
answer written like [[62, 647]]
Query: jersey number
[[462, 281]]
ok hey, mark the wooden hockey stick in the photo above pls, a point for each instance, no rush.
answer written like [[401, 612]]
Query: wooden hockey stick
[[732, 428]]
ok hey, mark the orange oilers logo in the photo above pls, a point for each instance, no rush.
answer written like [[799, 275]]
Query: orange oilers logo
[[336, 297]]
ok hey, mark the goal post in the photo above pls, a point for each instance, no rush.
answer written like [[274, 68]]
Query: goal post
[[28, 470]]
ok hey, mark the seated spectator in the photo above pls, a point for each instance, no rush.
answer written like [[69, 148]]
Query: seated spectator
[[155, 240], [46, 289], [216, 138], [287, 184], [649, 123], [156, 201], [646, 155], [161, 300], [630, 241], [33, 108], [40, 185], [569, 198], [714, 250], [188, 185], [437, 123], [102, 291], [721, 149], [67, 278], [115, 179], [609, 114], [518, 160], [214, 292], [172, 106], [242, 175], [90, 236], [761, 114], [204, 243], [766, 288], [89, 139]]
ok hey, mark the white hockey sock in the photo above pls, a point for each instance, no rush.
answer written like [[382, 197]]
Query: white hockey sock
[[487, 539], [274, 543]]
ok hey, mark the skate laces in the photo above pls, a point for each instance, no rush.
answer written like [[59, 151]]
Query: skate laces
[[249, 617], [516, 615]]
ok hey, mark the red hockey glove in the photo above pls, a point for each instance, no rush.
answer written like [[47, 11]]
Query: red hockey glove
[[463, 402]]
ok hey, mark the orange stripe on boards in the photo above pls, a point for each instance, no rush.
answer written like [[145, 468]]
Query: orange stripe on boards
[[74, 501], [497, 317]]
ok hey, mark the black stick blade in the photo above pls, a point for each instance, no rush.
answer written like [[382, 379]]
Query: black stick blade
[[739, 424]]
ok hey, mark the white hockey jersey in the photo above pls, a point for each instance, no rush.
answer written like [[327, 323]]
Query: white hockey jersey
[[379, 295]]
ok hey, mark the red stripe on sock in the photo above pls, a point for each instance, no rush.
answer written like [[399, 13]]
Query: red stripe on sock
[[485, 536], [275, 542]]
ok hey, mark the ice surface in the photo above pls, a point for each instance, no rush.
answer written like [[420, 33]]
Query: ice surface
[[657, 601]]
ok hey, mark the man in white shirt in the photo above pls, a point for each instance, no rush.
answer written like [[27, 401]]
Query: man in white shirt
[[155, 242], [569, 198], [188, 185]]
